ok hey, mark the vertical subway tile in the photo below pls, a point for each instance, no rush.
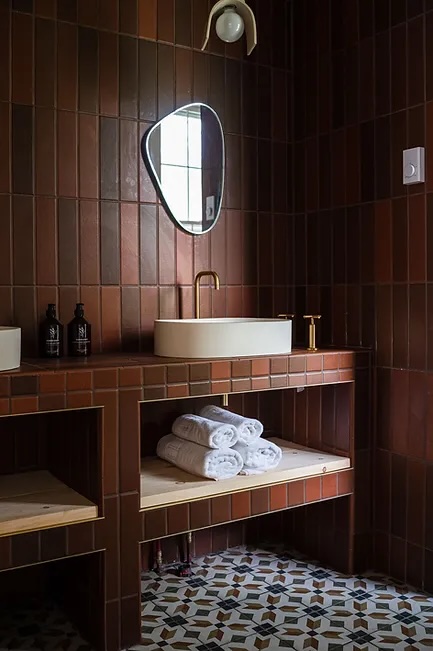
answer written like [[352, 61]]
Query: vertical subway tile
[[23, 237], [5, 240], [130, 318], [46, 8], [148, 244], [22, 149], [5, 147], [109, 15], [128, 16], [25, 317], [382, 73], [45, 152], [45, 62], [89, 243], [68, 241], [87, 70], [166, 20], [383, 251], [147, 19], [88, 163], [110, 318], [417, 326], [129, 258], [416, 61], [46, 241], [183, 258], [67, 66], [417, 238], [110, 263], [87, 12], [128, 77], [5, 52], [398, 63], [146, 187], [400, 326], [108, 73], [67, 10], [183, 74], [200, 77], [147, 62], [109, 158], [165, 80], [67, 154], [183, 22], [148, 314], [166, 248], [129, 157], [22, 58]]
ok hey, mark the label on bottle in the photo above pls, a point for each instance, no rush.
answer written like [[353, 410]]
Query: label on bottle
[[52, 342], [81, 341]]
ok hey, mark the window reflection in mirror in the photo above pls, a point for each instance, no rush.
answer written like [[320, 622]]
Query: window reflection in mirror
[[184, 153]]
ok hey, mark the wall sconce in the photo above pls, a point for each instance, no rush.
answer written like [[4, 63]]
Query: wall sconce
[[233, 18]]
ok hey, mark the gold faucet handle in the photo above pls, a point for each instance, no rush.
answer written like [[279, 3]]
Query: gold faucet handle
[[285, 316], [312, 330]]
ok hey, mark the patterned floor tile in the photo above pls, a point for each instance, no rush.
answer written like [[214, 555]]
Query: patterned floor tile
[[221, 626], [314, 632], [246, 599]]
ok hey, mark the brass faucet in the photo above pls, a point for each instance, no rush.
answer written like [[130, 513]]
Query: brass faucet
[[312, 330], [199, 276]]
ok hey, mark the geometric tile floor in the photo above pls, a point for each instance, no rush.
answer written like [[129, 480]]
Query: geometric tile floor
[[36, 627], [252, 599]]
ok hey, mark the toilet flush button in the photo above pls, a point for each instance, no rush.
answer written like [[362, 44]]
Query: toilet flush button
[[413, 165]]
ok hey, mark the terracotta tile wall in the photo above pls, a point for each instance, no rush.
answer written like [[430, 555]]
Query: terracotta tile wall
[[80, 82], [364, 92]]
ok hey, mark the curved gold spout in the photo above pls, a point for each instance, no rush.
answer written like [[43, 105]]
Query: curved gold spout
[[199, 276]]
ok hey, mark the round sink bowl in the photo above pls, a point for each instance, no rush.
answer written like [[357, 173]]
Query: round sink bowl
[[10, 348], [209, 338]]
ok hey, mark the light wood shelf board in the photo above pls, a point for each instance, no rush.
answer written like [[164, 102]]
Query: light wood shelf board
[[163, 484], [37, 500]]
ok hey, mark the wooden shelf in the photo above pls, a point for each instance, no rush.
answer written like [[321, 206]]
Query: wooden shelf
[[37, 500], [163, 484]]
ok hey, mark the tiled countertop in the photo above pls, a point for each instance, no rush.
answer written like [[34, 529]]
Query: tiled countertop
[[40, 385]]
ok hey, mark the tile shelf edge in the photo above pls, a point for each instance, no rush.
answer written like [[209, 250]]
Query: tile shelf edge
[[105, 361]]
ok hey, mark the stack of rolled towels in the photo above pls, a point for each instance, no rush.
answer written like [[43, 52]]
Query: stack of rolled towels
[[218, 444]]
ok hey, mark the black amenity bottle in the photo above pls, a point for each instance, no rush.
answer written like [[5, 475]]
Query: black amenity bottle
[[51, 334], [79, 334]]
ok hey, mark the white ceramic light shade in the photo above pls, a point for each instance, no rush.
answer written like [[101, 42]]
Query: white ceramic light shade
[[230, 25], [247, 15]]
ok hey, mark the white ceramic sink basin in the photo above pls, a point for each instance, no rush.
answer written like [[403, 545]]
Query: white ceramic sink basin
[[10, 348], [206, 338]]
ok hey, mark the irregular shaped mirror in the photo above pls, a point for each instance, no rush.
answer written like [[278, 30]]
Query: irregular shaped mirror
[[184, 154]]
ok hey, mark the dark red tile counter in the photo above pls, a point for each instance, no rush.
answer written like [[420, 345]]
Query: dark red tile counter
[[118, 384]]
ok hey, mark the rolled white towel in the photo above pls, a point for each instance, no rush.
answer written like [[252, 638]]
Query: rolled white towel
[[259, 456], [249, 429], [205, 431], [198, 460]]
